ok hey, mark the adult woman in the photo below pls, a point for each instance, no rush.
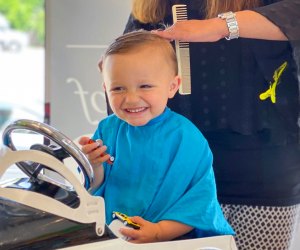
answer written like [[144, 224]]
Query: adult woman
[[249, 119]]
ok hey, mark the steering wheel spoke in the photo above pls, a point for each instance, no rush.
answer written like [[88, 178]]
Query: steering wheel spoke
[[55, 144]]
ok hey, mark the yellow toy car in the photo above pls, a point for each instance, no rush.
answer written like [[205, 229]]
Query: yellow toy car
[[125, 219]]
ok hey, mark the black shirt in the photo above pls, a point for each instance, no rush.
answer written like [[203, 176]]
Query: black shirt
[[255, 143]]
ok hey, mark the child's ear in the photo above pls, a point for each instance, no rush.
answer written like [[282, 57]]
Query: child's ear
[[100, 64], [174, 86]]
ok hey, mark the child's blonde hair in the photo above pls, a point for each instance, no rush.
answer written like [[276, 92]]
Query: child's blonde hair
[[135, 40]]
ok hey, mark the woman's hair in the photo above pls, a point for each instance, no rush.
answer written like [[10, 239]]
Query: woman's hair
[[135, 40], [153, 11], [215, 7], [149, 11]]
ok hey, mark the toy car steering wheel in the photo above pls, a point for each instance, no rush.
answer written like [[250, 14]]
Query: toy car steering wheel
[[62, 148]]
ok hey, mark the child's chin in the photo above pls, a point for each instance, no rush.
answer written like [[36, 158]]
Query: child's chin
[[137, 123]]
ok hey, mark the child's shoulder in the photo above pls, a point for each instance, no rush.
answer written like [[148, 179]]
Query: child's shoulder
[[184, 124], [180, 119]]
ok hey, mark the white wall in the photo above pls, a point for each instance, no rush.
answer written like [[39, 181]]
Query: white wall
[[77, 33]]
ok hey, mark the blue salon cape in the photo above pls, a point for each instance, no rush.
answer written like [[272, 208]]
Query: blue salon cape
[[162, 171]]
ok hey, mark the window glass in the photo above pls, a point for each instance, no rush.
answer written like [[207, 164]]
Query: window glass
[[22, 62]]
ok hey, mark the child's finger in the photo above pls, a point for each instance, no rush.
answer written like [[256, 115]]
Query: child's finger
[[138, 220], [83, 140], [96, 152], [129, 232], [109, 159]]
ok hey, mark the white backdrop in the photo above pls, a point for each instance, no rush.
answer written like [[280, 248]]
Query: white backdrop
[[77, 33]]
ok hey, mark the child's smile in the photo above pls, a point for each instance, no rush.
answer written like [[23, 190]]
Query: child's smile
[[136, 110], [141, 95]]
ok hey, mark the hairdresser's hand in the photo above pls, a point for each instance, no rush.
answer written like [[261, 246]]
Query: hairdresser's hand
[[209, 30], [95, 151], [148, 231]]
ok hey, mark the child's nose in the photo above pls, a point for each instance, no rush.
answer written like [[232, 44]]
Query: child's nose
[[132, 97]]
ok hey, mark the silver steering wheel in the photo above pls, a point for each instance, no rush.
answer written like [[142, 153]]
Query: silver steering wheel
[[55, 143]]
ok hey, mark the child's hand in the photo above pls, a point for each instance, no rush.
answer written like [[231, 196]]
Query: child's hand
[[95, 151], [148, 231]]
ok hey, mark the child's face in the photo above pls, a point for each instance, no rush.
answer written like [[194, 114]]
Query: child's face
[[139, 84]]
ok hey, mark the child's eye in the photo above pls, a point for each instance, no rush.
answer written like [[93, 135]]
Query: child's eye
[[146, 86], [116, 89]]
